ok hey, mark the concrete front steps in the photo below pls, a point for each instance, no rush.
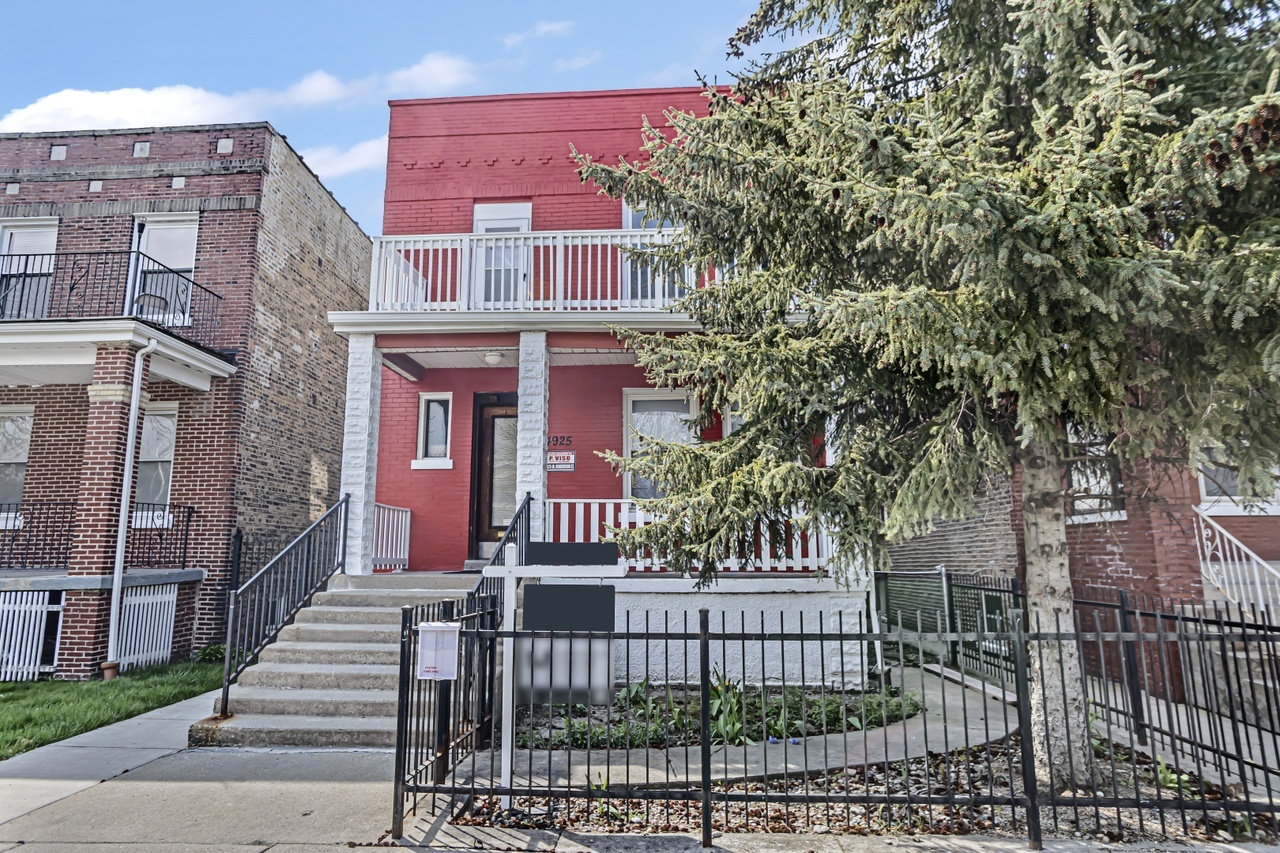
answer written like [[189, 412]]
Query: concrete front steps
[[329, 680]]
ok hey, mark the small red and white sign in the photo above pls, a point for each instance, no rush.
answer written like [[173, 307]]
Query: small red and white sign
[[562, 460]]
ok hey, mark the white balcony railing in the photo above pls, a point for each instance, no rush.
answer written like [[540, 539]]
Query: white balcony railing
[[523, 271], [390, 538], [590, 521]]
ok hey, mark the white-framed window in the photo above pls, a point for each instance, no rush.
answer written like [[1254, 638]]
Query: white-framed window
[[1220, 494], [27, 266], [655, 413], [162, 280], [15, 444], [435, 430], [503, 260], [641, 281], [155, 466], [1095, 489]]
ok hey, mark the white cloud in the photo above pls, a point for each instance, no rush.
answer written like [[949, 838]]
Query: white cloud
[[435, 74], [330, 161], [84, 109], [540, 29], [573, 63]]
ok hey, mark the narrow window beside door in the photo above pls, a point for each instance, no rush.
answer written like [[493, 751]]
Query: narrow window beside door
[[434, 431]]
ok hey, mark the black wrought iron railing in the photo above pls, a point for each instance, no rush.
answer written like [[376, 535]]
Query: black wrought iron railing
[[159, 536], [270, 599], [517, 533], [81, 285], [36, 534]]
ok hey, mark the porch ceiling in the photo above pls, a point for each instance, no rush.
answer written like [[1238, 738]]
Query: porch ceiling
[[410, 361]]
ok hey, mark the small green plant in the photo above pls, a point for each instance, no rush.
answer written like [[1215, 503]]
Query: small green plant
[[216, 653], [633, 694], [605, 808], [728, 712], [1169, 778]]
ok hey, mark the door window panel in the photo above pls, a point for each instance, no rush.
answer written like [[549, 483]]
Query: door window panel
[[502, 506]]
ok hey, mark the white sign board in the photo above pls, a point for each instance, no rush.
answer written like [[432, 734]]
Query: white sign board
[[562, 460], [438, 650]]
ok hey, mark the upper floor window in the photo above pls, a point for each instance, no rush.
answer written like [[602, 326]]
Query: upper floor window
[[644, 282], [1095, 489], [504, 259], [652, 413], [168, 246], [27, 267], [15, 443]]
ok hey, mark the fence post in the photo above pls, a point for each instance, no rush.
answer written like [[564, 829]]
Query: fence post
[[1132, 682], [1022, 683], [237, 548], [444, 711], [230, 650], [402, 719], [704, 713], [949, 618]]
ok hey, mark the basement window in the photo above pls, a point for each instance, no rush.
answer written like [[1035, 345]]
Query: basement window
[[1095, 491], [435, 432]]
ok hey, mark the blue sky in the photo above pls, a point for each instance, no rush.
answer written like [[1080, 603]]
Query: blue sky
[[322, 71]]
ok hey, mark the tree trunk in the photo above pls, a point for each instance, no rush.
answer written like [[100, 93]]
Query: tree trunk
[[1059, 712]]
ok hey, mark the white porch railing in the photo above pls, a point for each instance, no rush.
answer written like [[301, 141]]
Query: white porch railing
[[390, 537], [24, 616], [522, 271], [1246, 579], [589, 521], [147, 615]]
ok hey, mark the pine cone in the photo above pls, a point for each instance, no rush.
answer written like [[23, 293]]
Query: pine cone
[[1215, 146], [1246, 154]]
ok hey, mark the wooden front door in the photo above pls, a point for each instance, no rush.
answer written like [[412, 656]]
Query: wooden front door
[[493, 493]]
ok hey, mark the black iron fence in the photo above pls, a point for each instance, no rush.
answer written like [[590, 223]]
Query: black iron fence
[[752, 722], [36, 534], [77, 285], [262, 605], [159, 536]]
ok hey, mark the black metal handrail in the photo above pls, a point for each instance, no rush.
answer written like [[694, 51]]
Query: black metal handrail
[[270, 599], [517, 533], [36, 534], [81, 285], [159, 536]]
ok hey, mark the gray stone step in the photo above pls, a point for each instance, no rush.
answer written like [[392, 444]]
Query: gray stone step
[[310, 676], [322, 653], [442, 581], [312, 702], [276, 730], [325, 615], [326, 633], [381, 597]]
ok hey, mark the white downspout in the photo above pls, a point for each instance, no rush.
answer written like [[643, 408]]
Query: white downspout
[[112, 666]]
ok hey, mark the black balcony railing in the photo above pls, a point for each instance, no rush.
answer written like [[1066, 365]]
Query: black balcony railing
[[79, 285], [36, 534], [158, 536]]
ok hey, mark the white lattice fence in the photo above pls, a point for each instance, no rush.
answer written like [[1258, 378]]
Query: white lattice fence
[[24, 619], [146, 624]]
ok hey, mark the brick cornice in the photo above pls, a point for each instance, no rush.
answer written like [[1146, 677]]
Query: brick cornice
[[187, 168]]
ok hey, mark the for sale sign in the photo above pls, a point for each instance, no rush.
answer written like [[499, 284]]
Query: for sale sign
[[562, 460], [438, 651]]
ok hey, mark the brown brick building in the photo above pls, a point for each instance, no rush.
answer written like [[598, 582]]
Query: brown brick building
[[191, 269]]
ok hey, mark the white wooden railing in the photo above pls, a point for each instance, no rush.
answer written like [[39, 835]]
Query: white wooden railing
[[390, 537], [147, 614], [523, 271], [1243, 577], [590, 521], [24, 615]]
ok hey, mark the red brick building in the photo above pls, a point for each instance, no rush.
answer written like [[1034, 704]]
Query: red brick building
[[175, 279]]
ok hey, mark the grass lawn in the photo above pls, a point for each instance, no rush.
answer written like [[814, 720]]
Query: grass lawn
[[33, 713]]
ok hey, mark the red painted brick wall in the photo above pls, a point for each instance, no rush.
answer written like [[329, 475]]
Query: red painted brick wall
[[445, 154]]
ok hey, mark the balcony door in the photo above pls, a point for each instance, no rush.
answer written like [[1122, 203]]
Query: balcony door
[[162, 277], [493, 494], [503, 259], [26, 270]]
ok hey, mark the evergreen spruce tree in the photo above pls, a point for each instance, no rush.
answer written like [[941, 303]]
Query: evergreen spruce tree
[[936, 237]]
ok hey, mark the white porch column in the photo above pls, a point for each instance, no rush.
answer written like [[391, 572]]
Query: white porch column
[[531, 427], [360, 448]]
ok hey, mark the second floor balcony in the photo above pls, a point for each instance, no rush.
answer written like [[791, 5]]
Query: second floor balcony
[[97, 285], [554, 271]]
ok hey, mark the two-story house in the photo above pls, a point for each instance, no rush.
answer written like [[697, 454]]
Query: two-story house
[[167, 374], [484, 372]]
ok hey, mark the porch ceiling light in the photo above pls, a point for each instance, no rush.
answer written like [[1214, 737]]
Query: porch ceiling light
[[493, 359]]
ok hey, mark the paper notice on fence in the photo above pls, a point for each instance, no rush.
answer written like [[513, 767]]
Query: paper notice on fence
[[438, 650]]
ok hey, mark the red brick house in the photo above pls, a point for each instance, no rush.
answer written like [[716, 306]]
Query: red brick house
[[175, 279], [483, 369]]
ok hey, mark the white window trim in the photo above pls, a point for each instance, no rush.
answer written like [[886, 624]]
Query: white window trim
[[14, 520], [1108, 517], [488, 212], [9, 224], [148, 520], [433, 463], [170, 218], [629, 395], [1225, 505]]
